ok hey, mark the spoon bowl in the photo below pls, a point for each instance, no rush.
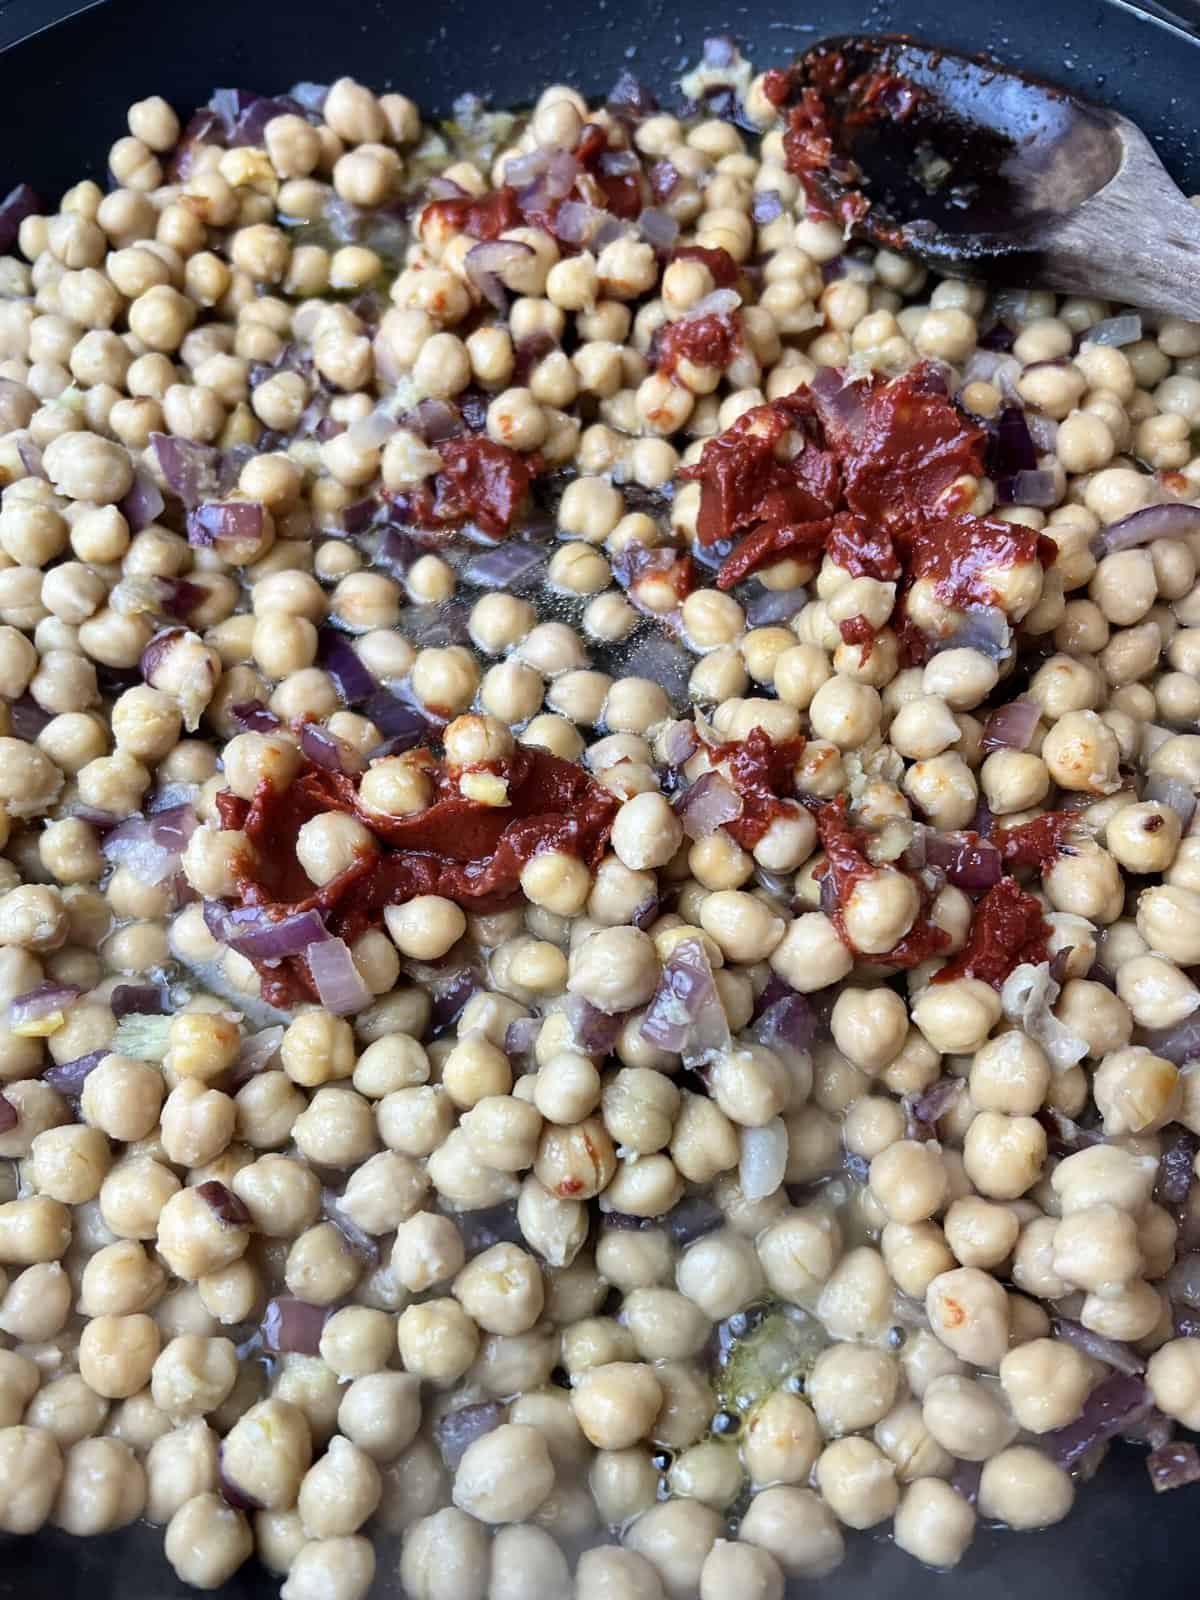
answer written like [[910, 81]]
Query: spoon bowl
[[988, 172]]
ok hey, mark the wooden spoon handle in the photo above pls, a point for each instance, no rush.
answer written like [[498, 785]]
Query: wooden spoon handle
[[1136, 240]]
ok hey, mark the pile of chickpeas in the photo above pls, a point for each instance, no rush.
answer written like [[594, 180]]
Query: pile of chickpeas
[[518, 1208]]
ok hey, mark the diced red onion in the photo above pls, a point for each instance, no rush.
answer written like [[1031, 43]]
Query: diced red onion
[[774, 605], [20, 202], [218, 520], [1124, 329], [323, 749], [228, 1209], [664, 180], [8, 1115], [839, 402], [102, 821], [44, 1001], [232, 1494], [595, 1031], [1114, 1352], [965, 1479], [338, 982], [1011, 727], [151, 847], [786, 1026], [768, 204], [645, 913], [1032, 488], [972, 865], [933, 1103], [658, 228], [521, 1035], [138, 999], [1027, 998], [402, 725], [1043, 431], [576, 222], [1010, 446], [338, 657], [996, 367], [449, 988], [443, 188], [1173, 792], [311, 96], [504, 566], [1175, 1165], [361, 1243], [630, 99], [1065, 1133], [435, 421], [1113, 1405], [1180, 1043], [984, 628], [1173, 521], [194, 472], [252, 716], [292, 1327], [31, 458], [618, 163], [763, 1161], [1173, 1466], [252, 933], [454, 1431], [486, 263], [680, 741], [523, 169], [257, 1053], [27, 717], [143, 504], [689, 1220], [707, 805], [1183, 1281], [685, 1015], [397, 552], [68, 1076]]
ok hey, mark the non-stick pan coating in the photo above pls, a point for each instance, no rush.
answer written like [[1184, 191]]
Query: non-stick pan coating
[[63, 94]]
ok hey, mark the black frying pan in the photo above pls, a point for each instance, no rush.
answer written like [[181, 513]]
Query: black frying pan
[[63, 94]]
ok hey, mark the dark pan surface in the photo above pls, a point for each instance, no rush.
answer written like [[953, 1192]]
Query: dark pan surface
[[63, 94]]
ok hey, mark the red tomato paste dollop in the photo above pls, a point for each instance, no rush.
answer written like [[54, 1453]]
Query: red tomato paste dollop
[[762, 774], [1036, 843], [458, 848], [480, 481], [847, 864], [859, 471], [1008, 929], [706, 341]]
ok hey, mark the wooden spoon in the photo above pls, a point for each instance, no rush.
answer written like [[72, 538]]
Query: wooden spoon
[[986, 172]]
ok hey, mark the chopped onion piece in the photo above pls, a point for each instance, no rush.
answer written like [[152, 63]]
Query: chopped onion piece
[[138, 1000], [1011, 727], [338, 982], [292, 1327], [505, 566], [215, 521], [1144, 526], [253, 934], [1173, 792], [1173, 1465], [359, 1241], [768, 204], [8, 1115], [1113, 1352], [1035, 487], [774, 605], [1028, 994], [486, 263], [455, 1430], [707, 804], [68, 1077], [150, 848], [143, 504], [338, 657], [788, 1026], [685, 1015], [39, 1011], [658, 228], [1175, 1165], [325, 749], [1125, 329], [229, 1211], [1180, 1043], [595, 1031], [970, 864], [1114, 1404], [252, 716], [521, 1035], [764, 1156]]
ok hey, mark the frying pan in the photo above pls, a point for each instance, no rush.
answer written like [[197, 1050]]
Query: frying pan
[[64, 87]]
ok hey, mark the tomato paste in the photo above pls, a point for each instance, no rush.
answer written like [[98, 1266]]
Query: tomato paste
[[1008, 929]]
